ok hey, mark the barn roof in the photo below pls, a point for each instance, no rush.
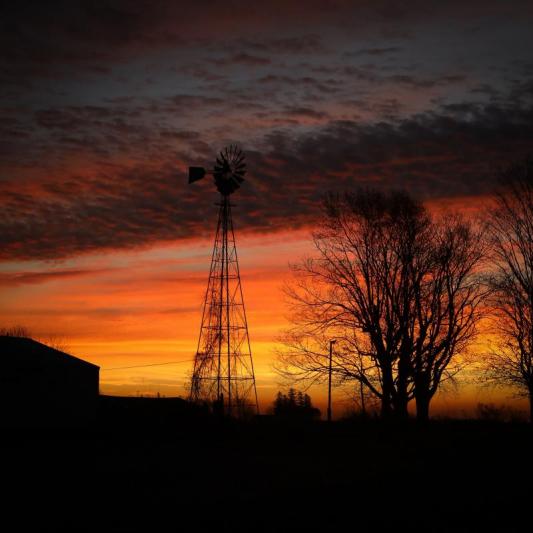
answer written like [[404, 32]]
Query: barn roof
[[25, 348]]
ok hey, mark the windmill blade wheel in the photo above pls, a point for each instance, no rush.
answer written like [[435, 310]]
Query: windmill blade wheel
[[229, 170]]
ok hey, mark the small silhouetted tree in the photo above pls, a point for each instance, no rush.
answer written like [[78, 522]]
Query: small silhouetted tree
[[510, 229], [294, 404], [16, 331], [57, 342]]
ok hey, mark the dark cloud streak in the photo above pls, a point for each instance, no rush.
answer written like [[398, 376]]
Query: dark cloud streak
[[455, 149]]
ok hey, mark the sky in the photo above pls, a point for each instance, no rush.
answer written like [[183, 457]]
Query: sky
[[105, 104]]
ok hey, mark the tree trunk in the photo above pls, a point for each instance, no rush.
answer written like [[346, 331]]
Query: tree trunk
[[422, 407], [531, 407], [400, 407], [400, 400], [386, 399], [386, 410], [362, 396]]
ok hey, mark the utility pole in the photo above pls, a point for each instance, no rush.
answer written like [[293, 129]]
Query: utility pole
[[331, 343]]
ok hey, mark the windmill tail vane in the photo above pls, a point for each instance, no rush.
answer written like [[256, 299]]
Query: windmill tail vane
[[196, 173]]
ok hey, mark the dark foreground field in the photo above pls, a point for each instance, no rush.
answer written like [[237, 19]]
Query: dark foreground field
[[265, 476]]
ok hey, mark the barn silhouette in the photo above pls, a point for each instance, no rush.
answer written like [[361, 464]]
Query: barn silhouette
[[44, 387]]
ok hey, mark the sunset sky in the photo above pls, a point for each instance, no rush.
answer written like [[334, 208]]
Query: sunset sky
[[105, 104]]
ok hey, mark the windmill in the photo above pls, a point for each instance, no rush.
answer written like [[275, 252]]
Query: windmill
[[223, 373]]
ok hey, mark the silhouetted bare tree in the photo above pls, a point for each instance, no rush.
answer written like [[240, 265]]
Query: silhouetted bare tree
[[16, 331], [395, 288], [510, 223], [57, 342], [446, 307], [353, 291]]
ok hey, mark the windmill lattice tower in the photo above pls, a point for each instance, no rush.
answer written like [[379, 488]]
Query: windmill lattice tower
[[223, 373]]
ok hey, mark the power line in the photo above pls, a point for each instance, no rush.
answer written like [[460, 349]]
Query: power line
[[152, 364]]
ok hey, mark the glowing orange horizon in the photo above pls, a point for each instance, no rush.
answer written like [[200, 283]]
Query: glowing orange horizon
[[140, 307]]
